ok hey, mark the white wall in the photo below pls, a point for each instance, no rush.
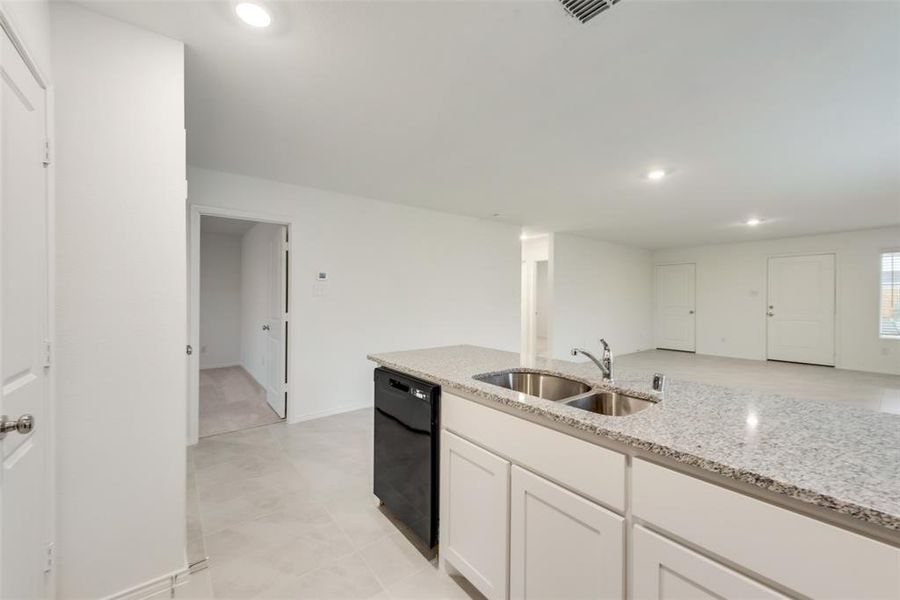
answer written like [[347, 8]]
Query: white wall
[[398, 278], [256, 301], [600, 290], [220, 300], [120, 303], [731, 295]]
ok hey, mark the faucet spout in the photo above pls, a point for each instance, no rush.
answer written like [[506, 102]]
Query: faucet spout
[[605, 363]]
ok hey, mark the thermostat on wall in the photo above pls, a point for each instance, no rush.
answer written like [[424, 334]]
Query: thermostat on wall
[[321, 276]]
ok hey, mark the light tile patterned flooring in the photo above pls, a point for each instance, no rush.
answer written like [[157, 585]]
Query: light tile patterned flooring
[[287, 511], [874, 391]]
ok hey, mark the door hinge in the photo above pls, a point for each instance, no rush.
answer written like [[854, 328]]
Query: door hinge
[[48, 564], [48, 353], [189, 350], [46, 160]]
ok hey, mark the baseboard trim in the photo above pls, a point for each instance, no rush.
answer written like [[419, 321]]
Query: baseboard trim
[[252, 376], [154, 587], [223, 365], [329, 413]]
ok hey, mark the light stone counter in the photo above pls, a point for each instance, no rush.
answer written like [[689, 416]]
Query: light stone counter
[[841, 459]]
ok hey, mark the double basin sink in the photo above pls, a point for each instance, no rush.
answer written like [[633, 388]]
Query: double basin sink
[[567, 391]]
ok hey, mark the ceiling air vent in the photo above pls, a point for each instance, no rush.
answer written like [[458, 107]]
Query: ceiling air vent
[[585, 10]]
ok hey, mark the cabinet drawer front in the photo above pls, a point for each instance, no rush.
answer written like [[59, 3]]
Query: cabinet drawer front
[[562, 547], [474, 514], [805, 555], [586, 468], [664, 570]]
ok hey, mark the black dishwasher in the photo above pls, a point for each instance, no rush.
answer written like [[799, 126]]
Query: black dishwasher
[[406, 450]]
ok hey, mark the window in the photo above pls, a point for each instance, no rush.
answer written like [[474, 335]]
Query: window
[[890, 295]]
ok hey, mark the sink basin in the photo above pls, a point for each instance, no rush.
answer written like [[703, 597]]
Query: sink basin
[[612, 404], [549, 387]]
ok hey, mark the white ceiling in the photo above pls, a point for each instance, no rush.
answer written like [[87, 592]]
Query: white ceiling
[[789, 111], [226, 226]]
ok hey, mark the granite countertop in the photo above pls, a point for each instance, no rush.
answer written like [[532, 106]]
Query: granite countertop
[[838, 458]]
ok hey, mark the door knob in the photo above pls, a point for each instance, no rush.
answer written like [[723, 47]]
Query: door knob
[[266, 328], [690, 312], [770, 313], [23, 425]]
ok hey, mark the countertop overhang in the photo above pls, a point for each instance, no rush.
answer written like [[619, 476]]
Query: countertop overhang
[[841, 459]]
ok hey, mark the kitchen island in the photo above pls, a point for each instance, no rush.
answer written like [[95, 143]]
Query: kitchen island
[[716, 474]]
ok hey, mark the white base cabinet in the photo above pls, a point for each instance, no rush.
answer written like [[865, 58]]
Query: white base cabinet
[[475, 514], [561, 546], [532, 513], [664, 570]]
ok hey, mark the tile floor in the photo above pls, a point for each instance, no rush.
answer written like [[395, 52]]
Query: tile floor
[[856, 388], [231, 400], [287, 511]]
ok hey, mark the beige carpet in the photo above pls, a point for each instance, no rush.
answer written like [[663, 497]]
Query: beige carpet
[[231, 400]]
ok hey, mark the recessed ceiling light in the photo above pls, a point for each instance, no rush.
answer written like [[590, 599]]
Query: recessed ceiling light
[[753, 222], [253, 15], [656, 174]]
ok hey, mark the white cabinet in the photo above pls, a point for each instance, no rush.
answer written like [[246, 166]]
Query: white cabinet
[[561, 545], [474, 514], [664, 570]]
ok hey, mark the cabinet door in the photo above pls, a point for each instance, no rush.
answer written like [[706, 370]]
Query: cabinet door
[[474, 531], [561, 545], [664, 570]]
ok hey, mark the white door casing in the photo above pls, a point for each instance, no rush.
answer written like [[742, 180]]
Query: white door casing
[[24, 328], [562, 546], [275, 332], [800, 309], [675, 322]]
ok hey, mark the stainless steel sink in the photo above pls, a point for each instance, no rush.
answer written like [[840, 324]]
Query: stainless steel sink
[[612, 404], [549, 387]]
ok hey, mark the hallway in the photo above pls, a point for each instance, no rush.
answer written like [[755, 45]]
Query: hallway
[[231, 400]]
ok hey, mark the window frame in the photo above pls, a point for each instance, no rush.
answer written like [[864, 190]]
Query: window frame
[[881, 254]]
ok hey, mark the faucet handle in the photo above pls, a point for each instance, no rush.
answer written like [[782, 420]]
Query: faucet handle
[[604, 344]]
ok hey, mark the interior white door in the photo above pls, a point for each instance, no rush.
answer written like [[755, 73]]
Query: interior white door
[[800, 312], [24, 531], [561, 545], [664, 570], [276, 338], [675, 325]]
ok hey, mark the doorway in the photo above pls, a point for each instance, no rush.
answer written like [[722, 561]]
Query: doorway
[[537, 298], [26, 295], [240, 304], [800, 309], [675, 322]]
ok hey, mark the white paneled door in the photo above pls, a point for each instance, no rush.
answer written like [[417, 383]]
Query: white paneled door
[[675, 307], [275, 332], [24, 493], [800, 311]]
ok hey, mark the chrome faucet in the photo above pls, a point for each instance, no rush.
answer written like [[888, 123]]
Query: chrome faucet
[[605, 364]]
